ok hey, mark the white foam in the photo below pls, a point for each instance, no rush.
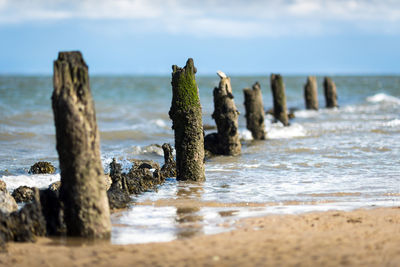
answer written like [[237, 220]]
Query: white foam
[[150, 149], [150, 125], [245, 134], [381, 97], [251, 166], [161, 123], [306, 113], [145, 224], [393, 123], [278, 131], [34, 180]]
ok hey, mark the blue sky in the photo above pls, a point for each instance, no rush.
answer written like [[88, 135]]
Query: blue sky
[[238, 37]]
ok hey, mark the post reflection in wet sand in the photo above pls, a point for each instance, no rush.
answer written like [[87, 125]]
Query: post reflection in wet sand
[[188, 218]]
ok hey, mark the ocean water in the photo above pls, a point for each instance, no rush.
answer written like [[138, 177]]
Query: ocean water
[[343, 158]]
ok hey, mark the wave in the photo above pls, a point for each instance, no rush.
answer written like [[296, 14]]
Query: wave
[[306, 113], [278, 131], [245, 134], [35, 180], [383, 98], [138, 131], [153, 152], [392, 123], [146, 150]]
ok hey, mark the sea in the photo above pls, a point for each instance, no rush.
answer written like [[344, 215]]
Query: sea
[[331, 159]]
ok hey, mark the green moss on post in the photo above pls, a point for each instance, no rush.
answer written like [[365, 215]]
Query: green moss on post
[[82, 192], [311, 93], [187, 123], [278, 94]]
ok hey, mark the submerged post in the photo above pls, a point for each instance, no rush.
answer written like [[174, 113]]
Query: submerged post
[[311, 93], [330, 93], [254, 111], [82, 192], [187, 123], [227, 141], [278, 94]]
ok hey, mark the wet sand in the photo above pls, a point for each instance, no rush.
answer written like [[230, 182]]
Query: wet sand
[[334, 238]]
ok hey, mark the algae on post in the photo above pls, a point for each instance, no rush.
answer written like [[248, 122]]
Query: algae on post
[[187, 123]]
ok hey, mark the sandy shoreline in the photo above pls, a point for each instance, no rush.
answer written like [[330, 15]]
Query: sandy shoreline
[[357, 238]]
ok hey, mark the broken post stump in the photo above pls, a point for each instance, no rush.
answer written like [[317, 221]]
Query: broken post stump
[[169, 167], [254, 106], [226, 141], [82, 192], [279, 98], [311, 93], [186, 116], [330, 93]]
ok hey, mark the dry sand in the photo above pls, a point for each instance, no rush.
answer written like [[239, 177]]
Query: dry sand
[[334, 238]]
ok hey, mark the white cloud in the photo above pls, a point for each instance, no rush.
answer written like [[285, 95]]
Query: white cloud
[[305, 7], [217, 17], [3, 3]]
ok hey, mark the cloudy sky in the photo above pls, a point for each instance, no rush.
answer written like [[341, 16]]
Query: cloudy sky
[[238, 37]]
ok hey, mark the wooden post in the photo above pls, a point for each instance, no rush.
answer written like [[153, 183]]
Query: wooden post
[[226, 118], [278, 94], [82, 192], [311, 93], [187, 123], [169, 167], [253, 103], [330, 93]]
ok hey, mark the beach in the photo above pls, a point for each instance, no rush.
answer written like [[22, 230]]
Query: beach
[[364, 237], [275, 144]]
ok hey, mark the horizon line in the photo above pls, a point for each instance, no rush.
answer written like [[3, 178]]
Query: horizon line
[[208, 74]]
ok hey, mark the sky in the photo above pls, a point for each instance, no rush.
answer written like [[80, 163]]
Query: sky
[[241, 37]]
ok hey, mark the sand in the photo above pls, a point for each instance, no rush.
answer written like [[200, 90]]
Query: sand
[[334, 238]]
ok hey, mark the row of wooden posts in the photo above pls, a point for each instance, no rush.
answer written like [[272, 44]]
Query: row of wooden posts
[[226, 141], [82, 192]]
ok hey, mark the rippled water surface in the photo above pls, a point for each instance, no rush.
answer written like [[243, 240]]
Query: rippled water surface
[[328, 159]]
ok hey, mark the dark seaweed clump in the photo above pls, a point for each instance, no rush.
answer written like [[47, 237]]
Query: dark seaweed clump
[[42, 167]]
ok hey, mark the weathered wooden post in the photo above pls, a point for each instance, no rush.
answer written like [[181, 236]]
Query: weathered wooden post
[[226, 115], [82, 192], [169, 167], [311, 93], [330, 93], [254, 111], [187, 123], [278, 94]]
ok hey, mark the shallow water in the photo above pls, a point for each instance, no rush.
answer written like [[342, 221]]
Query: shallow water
[[343, 158]]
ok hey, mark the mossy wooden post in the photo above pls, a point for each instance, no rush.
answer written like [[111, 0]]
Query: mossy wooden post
[[187, 123], [278, 94], [311, 93], [226, 118], [82, 191], [254, 106], [330, 93]]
